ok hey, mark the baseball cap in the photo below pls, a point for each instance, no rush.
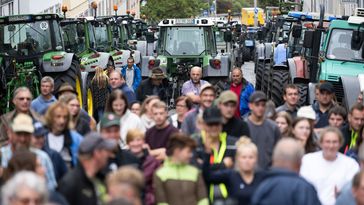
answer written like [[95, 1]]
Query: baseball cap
[[22, 123], [207, 86], [306, 112], [327, 86], [257, 96], [93, 141], [39, 130], [228, 96], [212, 115], [109, 119]]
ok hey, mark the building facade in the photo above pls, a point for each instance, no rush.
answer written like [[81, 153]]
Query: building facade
[[76, 8], [334, 7]]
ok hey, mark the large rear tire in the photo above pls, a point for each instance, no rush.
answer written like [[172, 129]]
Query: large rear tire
[[279, 80], [259, 75], [303, 92], [246, 54], [265, 80], [71, 76]]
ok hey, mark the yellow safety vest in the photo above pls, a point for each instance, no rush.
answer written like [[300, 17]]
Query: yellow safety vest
[[218, 157]]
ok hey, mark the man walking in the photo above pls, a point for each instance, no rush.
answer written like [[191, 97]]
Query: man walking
[[192, 87], [131, 74]]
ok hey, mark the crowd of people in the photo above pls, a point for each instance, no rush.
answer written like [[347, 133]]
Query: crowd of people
[[232, 147]]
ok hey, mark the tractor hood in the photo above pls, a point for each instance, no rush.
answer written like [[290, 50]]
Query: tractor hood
[[331, 70]]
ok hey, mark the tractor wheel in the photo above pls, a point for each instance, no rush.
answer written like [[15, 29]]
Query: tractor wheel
[[88, 96], [279, 80], [246, 54], [265, 80], [71, 76], [303, 92], [259, 76]]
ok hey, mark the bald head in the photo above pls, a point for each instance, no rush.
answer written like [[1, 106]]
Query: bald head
[[287, 154], [115, 79], [196, 74]]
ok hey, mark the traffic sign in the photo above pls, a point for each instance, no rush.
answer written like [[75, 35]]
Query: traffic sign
[[256, 10]]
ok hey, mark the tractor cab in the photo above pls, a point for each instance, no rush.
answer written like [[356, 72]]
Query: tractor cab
[[184, 43], [31, 46]]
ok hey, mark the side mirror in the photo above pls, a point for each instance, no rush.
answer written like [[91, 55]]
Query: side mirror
[[150, 37], [307, 41], [228, 36], [356, 40], [296, 31]]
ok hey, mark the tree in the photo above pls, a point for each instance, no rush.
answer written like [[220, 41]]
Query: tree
[[156, 10]]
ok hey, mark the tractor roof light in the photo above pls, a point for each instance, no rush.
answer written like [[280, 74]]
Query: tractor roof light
[[115, 7], [94, 5], [64, 8]]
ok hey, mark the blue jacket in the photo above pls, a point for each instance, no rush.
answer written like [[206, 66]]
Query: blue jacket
[[129, 94], [285, 187], [137, 76], [247, 90]]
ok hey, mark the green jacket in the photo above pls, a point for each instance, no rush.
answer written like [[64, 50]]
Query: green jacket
[[179, 184]]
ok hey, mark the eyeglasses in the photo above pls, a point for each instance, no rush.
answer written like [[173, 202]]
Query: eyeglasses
[[23, 98]]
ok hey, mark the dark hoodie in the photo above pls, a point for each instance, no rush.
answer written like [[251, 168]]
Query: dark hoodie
[[285, 187]]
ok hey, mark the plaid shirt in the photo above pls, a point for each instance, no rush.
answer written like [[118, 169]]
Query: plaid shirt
[[6, 154]]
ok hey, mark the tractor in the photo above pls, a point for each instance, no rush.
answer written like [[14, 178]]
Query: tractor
[[184, 43], [31, 46], [340, 60]]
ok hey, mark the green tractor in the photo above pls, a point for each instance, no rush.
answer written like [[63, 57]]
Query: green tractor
[[341, 58], [184, 43], [31, 46], [79, 38], [105, 40]]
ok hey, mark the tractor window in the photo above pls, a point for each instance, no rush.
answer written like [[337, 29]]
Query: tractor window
[[101, 35], [91, 35], [219, 36], [210, 41], [73, 39], [25, 39], [57, 36], [185, 41], [339, 46]]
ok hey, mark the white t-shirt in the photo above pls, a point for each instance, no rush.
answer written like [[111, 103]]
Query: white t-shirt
[[326, 175], [130, 121], [56, 142]]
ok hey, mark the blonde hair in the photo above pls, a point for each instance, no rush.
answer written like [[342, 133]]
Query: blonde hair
[[100, 78], [134, 134], [245, 143]]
